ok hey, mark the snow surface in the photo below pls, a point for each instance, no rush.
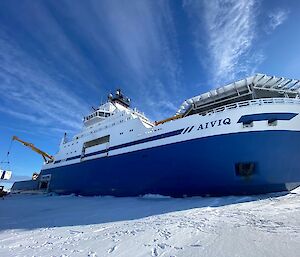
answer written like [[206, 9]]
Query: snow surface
[[43, 225]]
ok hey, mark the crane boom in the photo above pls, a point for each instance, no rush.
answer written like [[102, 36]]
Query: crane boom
[[46, 157]]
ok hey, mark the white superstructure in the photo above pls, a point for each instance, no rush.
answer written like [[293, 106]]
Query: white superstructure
[[114, 128]]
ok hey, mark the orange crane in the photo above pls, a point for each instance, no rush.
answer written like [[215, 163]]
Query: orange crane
[[46, 157]]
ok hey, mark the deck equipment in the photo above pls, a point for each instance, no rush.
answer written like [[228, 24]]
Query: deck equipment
[[47, 157]]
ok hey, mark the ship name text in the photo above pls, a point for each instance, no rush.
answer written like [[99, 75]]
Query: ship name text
[[215, 123]]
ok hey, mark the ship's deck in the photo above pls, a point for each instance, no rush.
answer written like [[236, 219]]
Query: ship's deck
[[260, 86]]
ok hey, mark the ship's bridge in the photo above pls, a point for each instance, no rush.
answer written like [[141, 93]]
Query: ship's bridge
[[254, 87], [96, 116], [99, 114]]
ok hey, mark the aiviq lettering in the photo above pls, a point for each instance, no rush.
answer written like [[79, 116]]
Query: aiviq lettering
[[215, 123]]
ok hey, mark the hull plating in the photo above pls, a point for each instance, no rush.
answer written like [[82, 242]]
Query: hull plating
[[205, 166]]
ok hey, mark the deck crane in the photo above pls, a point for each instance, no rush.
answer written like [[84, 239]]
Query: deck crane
[[46, 157]]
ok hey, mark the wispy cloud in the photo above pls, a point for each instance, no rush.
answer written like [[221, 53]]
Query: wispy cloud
[[227, 29], [54, 72], [30, 93], [23, 116], [140, 45], [34, 69], [277, 17]]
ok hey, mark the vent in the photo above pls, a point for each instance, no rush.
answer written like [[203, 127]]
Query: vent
[[244, 169]]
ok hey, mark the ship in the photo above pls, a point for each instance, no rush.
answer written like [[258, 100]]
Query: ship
[[239, 139]]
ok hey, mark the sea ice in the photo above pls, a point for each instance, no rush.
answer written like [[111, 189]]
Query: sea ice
[[43, 225]]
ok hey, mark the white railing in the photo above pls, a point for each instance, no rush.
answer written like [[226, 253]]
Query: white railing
[[255, 102]]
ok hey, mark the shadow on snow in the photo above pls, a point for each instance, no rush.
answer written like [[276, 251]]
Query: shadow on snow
[[42, 211]]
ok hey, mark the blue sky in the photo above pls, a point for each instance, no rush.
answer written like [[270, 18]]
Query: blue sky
[[59, 58]]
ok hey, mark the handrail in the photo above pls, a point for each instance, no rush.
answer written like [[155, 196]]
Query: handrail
[[254, 102]]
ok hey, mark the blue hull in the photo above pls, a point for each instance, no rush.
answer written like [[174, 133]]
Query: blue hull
[[206, 166]]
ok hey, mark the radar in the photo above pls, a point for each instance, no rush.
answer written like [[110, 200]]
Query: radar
[[120, 98]]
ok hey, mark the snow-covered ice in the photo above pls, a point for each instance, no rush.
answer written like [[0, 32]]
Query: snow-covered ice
[[40, 225]]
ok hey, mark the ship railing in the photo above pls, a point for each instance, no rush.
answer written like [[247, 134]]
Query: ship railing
[[255, 102]]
